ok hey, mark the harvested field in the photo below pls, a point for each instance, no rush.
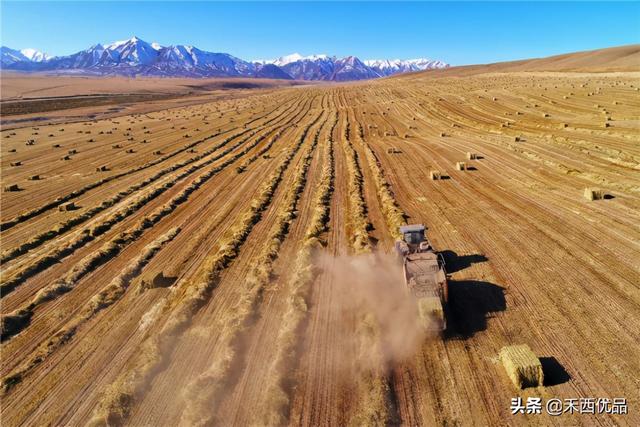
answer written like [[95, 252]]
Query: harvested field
[[228, 262]]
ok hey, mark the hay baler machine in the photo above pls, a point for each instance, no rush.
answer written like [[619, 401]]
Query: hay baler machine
[[425, 276]]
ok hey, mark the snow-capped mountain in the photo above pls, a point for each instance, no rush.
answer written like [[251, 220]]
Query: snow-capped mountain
[[387, 67], [12, 56], [323, 67], [351, 68], [189, 60], [137, 57], [315, 67], [131, 52], [288, 59], [35, 55]]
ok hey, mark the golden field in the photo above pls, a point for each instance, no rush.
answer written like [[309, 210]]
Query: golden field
[[271, 212]]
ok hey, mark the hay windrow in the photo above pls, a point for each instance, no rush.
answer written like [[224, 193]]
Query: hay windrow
[[74, 194], [113, 248], [142, 200], [108, 296], [394, 216], [195, 293], [357, 206], [16, 278], [373, 384], [274, 407], [203, 393]]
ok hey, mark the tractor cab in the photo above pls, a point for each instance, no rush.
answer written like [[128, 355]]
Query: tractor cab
[[413, 240]]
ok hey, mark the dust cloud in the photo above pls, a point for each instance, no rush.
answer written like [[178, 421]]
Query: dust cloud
[[371, 287]]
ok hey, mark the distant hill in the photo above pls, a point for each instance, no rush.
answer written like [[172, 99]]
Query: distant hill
[[621, 59]]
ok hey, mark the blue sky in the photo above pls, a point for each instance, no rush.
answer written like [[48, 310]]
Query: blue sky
[[456, 32]]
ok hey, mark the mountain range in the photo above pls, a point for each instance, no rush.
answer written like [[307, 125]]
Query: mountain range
[[136, 57]]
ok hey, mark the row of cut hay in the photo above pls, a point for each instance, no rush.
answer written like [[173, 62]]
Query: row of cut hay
[[108, 296], [373, 387], [263, 152], [76, 193], [16, 278], [17, 320], [204, 392], [259, 154], [273, 407], [394, 216], [70, 223], [357, 206], [116, 404]]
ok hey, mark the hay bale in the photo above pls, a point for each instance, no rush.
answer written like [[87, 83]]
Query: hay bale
[[522, 366], [12, 187], [72, 151], [102, 168], [157, 152], [594, 194], [65, 158], [517, 139], [435, 175], [34, 178], [65, 207], [16, 163], [430, 311], [442, 135], [472, 156], [56, 145], [461, 166], [158, 280]]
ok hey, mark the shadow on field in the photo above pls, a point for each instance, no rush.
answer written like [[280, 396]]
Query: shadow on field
[[455, 262], [471, 303], [554, 372]]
